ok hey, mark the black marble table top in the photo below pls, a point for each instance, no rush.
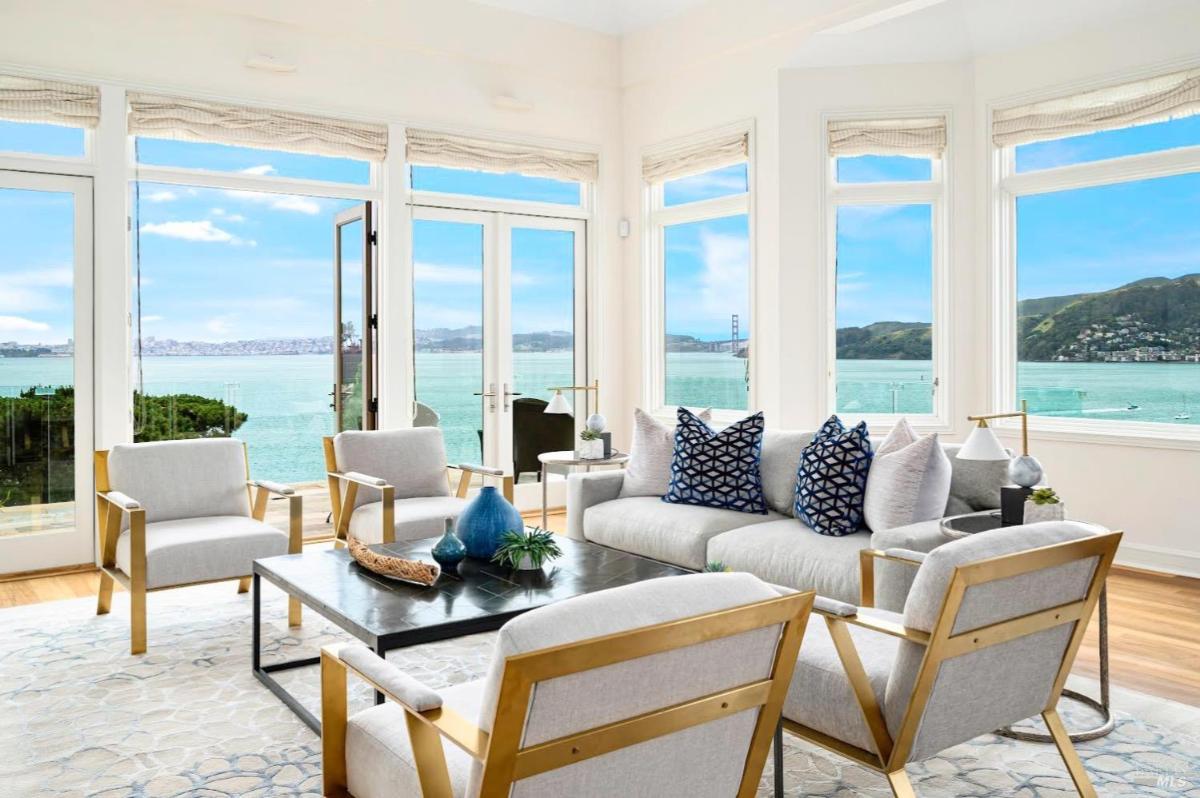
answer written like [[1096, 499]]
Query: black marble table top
[[385, 613]]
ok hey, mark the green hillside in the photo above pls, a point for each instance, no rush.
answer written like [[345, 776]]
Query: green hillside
[[885, 340], [1155, 315]]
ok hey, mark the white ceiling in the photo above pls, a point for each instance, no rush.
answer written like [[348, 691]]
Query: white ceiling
[[606, 16]]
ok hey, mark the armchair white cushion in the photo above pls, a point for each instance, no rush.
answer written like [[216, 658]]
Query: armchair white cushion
[[415, 518], [413, 461], [202, 549], [182, 479]]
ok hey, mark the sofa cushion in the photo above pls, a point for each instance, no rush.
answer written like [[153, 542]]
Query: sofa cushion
[[785, 552], [974, 484], [648, 472], [718, 469], [189, 550], [832, 478], [422, 517], [673, 533], [781, 451], [909, 480], [820, 695]]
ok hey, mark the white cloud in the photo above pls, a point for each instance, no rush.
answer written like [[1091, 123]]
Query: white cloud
[[278, 202], [219, 325], [35, 289], [19, 324], [456, 275], [227, 216], [725, 282], [160, 196], [203, 230], [262, 169], [151, 319]]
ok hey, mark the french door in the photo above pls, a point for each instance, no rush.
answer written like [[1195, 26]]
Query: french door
[[499, 317], [356, 320], [46, 422]]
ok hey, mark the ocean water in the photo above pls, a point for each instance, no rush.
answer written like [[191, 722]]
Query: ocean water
[[287, 397]]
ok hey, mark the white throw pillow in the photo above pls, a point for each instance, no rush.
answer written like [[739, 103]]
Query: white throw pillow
[[909, 480], [648, 472]]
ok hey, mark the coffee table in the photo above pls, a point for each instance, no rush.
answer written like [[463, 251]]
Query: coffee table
[[386, 615]]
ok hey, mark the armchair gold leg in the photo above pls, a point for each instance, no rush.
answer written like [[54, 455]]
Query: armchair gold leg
[[901, 786], [1083, 784], [430, 758], [104, 597], [333, 725], [137, 582], [244, 585], [294, 618]]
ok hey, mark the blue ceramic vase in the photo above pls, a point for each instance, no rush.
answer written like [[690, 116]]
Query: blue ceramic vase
[[449, 551], [482, 522]]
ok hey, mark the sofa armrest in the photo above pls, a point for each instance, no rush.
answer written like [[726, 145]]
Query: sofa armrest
[[587, 490], [389, 679]]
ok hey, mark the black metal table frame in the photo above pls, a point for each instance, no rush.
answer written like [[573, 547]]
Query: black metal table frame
[[380, 644]]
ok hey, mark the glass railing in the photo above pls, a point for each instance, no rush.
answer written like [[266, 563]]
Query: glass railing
[[37, 458], [885, 396]]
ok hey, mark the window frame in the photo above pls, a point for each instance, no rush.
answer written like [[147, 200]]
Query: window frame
[[934, 192], [1009, 185], [657, 217]]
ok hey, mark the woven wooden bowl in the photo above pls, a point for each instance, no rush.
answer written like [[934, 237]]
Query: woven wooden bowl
[[399, 568]]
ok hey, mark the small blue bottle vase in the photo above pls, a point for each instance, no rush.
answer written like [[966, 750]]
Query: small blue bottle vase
[[485, 520], [449, 551]]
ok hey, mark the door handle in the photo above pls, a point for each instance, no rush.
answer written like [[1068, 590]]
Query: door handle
[[490, 393], [508, 393]]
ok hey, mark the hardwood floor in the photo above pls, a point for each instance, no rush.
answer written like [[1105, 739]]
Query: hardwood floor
[[1154, 625]]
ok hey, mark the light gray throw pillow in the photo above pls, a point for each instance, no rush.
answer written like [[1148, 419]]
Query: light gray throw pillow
[[909, 480], [648, 472]]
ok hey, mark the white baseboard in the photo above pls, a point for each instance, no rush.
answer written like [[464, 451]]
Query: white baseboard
[[1159, 558]]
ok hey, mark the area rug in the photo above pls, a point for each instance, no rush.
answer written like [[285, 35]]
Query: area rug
[[80, 717]]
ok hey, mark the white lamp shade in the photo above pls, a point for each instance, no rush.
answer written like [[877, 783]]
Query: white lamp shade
[[558, 404], [982, 444]]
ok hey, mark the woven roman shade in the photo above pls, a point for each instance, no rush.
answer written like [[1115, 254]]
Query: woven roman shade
[[923, 137], [49, 101], [432, 148], [693, 157], [1140, 102], [243, 126]]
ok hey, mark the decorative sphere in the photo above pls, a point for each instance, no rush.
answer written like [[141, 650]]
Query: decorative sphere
[[1025, 470], [596, 422]]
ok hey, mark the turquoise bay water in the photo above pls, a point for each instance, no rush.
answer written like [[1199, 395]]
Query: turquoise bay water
[[287, 396]]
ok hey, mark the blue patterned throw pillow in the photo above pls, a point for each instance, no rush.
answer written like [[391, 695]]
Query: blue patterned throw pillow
[[718, 469], [832, 479]]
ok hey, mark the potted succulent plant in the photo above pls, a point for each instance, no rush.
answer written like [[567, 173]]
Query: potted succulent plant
[[1043, 505], [526, 551], [591, 445]]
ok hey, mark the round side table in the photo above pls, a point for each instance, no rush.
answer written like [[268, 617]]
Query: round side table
[[570, 460], [961, 526]]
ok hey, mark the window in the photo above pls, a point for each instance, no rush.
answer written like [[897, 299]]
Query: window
[[1106, 262], [210, 157], [495, 185], [34, 138], [886, 203], [700, 228]]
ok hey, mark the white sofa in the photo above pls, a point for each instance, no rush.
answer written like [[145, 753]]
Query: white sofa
[[776, 547]]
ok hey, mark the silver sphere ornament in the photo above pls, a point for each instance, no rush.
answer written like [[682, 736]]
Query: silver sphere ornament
[[596, 423], [1025, 470]]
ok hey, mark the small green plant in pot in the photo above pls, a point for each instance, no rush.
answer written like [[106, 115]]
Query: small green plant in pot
[[526, 551], [716, 567], [1044, 505], [591, 445]]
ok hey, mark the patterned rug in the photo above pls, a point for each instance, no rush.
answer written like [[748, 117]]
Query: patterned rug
[[80, 717]]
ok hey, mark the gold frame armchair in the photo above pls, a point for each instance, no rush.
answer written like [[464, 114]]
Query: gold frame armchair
[[345, 483], [974, 608], [118, 514], [502, 742]]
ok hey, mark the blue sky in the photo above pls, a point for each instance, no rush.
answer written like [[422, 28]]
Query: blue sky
[[224, 265]]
